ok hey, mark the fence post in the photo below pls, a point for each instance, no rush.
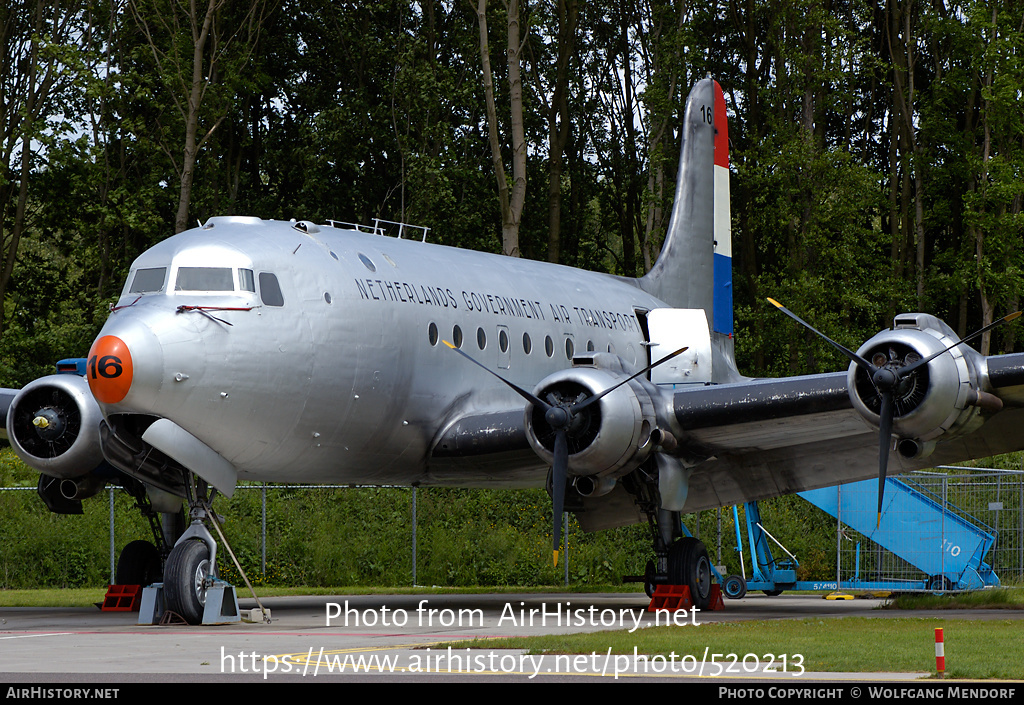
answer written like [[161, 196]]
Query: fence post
[[719, 553], [263, 531], [942, 556], [565, 523], [839, 535], [112, 569], [414, 537]]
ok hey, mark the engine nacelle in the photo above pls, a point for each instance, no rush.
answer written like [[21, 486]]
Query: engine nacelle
[[611, 436], [938, 399], [53, 426]]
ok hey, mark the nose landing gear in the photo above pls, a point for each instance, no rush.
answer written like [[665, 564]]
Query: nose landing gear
[[187, 578], [191, 588]]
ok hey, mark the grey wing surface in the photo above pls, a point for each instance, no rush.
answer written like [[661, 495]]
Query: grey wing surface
[[747, 440], [774, 437]]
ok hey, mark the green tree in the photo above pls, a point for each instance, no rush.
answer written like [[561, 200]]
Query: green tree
[[43, 61], [198, 56]]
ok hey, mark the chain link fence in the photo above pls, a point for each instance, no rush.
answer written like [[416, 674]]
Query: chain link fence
[[273, 524], [961, 528]]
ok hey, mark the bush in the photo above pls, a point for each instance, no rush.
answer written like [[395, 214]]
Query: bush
[[363, 537]]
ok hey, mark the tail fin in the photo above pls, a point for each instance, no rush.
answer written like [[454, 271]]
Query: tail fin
[[694, 269]]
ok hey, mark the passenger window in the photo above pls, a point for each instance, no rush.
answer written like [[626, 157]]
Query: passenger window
[[204, 279], [148, 280], [270, 290]]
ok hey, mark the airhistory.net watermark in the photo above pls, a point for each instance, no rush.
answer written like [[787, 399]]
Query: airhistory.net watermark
[[557, 615]]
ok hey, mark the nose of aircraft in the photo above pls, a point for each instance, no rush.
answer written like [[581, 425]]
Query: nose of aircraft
[[125, 365], [110, 369]]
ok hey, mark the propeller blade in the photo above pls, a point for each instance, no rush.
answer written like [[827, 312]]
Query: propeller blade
[[885, 414], [590, 400], [559, 417], [559, 474], [519, 390], [920, 363], [853, 357]]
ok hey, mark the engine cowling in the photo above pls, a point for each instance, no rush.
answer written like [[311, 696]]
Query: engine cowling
[[53, 426], [608, 438], [940, 398]]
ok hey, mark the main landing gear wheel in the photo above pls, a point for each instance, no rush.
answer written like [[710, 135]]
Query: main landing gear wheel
[[138, 564], [185, 580], [688, 564], [734, 587]]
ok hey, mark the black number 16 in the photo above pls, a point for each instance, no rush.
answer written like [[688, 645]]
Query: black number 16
[[109, 366]]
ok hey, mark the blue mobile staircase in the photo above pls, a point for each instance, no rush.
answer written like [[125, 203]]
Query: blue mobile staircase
[[946, 547]]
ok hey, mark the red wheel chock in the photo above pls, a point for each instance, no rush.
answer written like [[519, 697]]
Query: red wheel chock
[[122, 598], [677, 597]]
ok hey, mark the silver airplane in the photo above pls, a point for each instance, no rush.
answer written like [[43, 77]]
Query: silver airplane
[[253, 350]]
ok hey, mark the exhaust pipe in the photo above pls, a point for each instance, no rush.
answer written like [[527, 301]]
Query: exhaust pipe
[[912, 449], [594, 486], [664, 439], [82, 488]]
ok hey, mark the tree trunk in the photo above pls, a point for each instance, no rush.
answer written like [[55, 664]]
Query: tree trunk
[[559, 124], [511, 204], [188, 162]]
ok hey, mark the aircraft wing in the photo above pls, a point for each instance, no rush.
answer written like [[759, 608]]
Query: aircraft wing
[[775, 437], [755, 439], [765, 438], [487, 448]]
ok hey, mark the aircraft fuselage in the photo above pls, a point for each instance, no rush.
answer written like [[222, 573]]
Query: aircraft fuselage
[[343, 376]]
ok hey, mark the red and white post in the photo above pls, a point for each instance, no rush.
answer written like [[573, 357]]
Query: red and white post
[[940, 653]]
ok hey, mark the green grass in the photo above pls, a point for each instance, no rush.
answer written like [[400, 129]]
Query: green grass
[[997, 598], [974, 649], [86, 597], [70, 597]]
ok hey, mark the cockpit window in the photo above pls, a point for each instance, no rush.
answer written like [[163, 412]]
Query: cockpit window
[[148, 280], [270, 290], [204, 279], [246, 281]]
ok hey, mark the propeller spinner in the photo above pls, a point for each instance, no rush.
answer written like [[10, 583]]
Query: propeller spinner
[[561, 414]]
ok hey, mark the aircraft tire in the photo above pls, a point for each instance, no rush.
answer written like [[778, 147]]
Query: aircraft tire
[[186, 569], [689, 564], [649, 573], [734, 587], [138, 564]]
